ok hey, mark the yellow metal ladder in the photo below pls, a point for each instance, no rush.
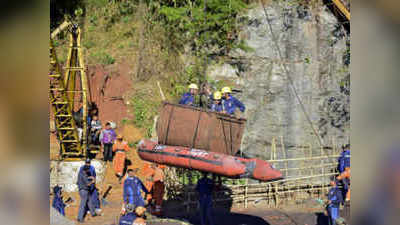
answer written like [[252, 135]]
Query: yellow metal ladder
[[67, 133], [342, 8]]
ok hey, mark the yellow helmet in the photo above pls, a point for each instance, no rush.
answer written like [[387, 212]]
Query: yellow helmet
[[193, 86], [226, 90], [217, 95]]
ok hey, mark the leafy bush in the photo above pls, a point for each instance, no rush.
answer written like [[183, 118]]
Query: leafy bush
[[103, 58], [212, 27]]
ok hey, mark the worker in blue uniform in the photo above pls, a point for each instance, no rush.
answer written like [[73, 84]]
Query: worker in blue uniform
[[129, 215], [344, 159], [93, 192], [205, 188], [217, 105], [58, 202], [133, 187], [84, 183], [92, 170], [335, 198], [230, 102], [189, 98]]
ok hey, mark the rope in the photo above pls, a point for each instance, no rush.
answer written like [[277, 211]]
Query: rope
[[289, 77]]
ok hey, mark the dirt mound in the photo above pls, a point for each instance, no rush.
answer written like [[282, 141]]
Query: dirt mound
[[109, 89], [131, 133]]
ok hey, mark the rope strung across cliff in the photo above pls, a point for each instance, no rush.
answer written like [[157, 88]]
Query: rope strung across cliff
[[289, 77]]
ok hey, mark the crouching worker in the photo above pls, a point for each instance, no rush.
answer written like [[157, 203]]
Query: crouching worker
[[334, 200], [190, 97], [58, 202], [133, 188], [128, 215]]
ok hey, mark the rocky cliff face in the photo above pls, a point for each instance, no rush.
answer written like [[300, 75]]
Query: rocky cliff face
[[314, 49]]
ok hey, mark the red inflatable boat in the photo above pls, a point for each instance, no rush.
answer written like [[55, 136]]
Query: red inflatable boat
[[225, 165]]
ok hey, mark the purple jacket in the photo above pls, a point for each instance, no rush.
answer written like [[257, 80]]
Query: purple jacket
[[107, 136]]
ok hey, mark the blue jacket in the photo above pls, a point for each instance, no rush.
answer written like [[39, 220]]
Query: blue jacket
[[58, 203], [217, 107], [187, 99], [132, 191], [127, 219], [344, 160], [231, 104], [205, 187], [83, 181], [92, 170], [335, 196]]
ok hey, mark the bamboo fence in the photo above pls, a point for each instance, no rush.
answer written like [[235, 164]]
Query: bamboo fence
[[309, 179]]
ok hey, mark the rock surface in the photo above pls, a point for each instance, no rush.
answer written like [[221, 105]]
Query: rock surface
[[314, 49]]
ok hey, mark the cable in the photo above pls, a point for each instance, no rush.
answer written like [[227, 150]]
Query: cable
[[289, 77]]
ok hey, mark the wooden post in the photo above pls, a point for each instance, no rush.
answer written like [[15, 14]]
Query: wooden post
[[245, 193], [273, 148], [311, 155], [284, 156], [276, 196]]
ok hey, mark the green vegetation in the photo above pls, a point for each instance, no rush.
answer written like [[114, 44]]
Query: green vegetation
[[166, 41], [144, 109]]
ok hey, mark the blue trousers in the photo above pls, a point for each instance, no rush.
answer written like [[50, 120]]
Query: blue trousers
[[94, 195], [333, 213], [206, 212], [136, 200], [86, 201]]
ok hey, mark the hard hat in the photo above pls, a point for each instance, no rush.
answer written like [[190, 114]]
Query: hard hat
[[140, 210], [226, 90], [193, 86], [217, 95]]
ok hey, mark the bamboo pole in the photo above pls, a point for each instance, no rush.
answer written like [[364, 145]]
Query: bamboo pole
[[245, 194], [284, 156]]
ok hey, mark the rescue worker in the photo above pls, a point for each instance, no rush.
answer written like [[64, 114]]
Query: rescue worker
[[84, 183], [189, 98], [120, 148], [91, 168], [107, 138], [58, 203], [344, 159], [205, 187], [140, 216], [334, 200], [230, 102], [158, 188], [128, 216], [95, 129], [148, 171], [93, 192], [345, 178], [132, 189], [217, 105]]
